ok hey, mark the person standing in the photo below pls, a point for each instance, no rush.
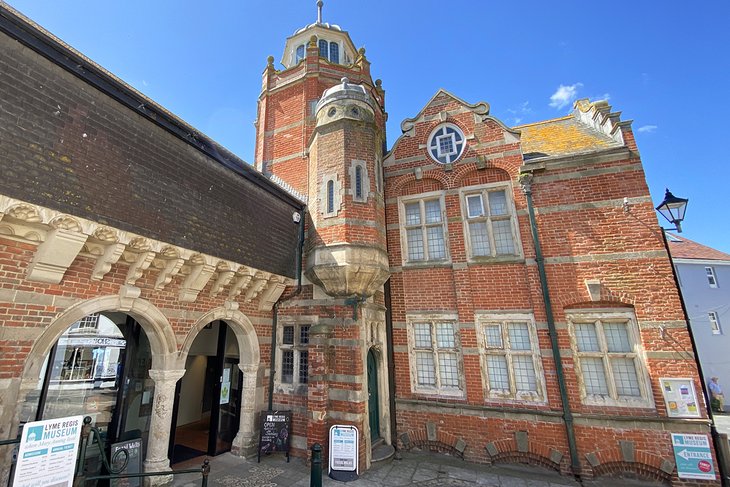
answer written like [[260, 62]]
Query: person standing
[[717, 399]]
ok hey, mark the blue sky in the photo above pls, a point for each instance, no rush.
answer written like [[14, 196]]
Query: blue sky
[[664, 65]]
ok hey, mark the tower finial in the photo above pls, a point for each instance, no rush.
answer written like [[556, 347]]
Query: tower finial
[[319, 11]]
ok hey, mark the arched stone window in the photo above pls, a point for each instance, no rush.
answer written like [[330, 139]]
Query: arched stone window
[[330, 196], [359, 181]]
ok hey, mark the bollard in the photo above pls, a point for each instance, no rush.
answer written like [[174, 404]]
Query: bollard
[[205, 472], [315, 479]]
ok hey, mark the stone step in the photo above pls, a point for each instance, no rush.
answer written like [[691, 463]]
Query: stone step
[[381, 452]]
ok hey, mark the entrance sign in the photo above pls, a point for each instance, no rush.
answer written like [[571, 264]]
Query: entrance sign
[[134, 462], [275, 433], [680, 397], [344, 448], [48, 452], [693, 456]]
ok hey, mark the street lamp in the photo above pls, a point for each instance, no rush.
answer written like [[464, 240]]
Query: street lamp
[[673, 208]]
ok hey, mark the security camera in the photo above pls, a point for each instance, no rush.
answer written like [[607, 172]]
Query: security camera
[[296, 217]]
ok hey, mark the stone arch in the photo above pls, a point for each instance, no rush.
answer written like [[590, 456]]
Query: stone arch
[[520, 448], [248, 345], [624, 460], [491, 174], [153, 322], [396, 187]]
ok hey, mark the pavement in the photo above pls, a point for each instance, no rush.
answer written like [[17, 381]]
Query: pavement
[[415, 468]]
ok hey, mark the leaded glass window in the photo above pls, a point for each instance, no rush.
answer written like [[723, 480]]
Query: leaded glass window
[[424, 230], [490, 223], [436, 357]]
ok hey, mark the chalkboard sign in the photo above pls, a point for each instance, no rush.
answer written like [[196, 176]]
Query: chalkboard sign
[[134, 464], [275, 433]]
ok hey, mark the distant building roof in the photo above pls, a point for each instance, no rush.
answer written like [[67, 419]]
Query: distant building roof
[[683, 248]]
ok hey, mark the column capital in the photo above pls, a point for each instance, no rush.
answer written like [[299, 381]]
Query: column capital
[[249, 368], [160, 375]]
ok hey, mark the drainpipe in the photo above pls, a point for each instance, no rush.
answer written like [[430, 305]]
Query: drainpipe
[[526, 183], [275, 320]]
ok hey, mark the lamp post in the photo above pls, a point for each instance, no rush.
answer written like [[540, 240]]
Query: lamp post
[[673, 210]]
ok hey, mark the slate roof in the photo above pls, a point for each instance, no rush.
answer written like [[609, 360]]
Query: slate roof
[[562, 136], [683, 248]]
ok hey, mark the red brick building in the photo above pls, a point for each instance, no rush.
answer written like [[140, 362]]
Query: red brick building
[[497, 293]]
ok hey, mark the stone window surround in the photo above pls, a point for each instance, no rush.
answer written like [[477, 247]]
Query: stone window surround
[[483, 189], [644, 381], [496, 317], [433, 318], [402, 201], [337, 203], [365, 181], [295, 387]]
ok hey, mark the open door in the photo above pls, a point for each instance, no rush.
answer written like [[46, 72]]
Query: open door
[[373, 397]]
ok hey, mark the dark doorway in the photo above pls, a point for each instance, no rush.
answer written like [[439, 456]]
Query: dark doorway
[[373, 396], [206, 413]]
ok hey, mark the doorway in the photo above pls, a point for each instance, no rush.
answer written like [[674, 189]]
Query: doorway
[[373, 397], [206, 412]]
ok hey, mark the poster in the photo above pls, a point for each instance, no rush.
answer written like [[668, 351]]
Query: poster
[[680, 397], [226, 386], [693, 456], [343, 452], [48, 451], [134, 463], [275, 432]]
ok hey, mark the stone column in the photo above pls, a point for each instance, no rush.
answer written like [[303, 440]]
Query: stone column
[[161, 421], [245, 443]]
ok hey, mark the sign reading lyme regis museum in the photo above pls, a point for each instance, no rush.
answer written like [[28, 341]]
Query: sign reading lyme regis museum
[[48, 451]]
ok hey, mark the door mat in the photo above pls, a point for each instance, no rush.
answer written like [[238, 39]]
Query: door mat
[[182, 453]]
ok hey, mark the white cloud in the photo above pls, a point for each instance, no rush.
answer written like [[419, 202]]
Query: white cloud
[[519, 112], [603, 97], [647, 129], [564, 95]]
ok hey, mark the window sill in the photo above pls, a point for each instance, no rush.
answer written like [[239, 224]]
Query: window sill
[[427, 264], [501, 259], [640, 403], [294, 389]]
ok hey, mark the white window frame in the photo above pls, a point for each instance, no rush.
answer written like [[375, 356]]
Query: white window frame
[[297, 348], [421, 199], [511, 216], [503, 320], [715, 326], [711, 276], [599, 317], [438, 389]]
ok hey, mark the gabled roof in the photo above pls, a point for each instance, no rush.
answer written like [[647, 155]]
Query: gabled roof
[[589, 128], [683, 248]]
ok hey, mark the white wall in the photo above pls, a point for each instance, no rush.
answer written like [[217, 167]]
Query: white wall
[[191, 390]]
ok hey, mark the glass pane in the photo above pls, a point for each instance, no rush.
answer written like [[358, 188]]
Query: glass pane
[[287, 366], [334, 52], [445, 335], [446, 145], [448, 370], [617, 337], [415, 244], [497, 203], [519, 336], [624, 374], [436, 244], [303, 367], [422, 335], [474, 206], [287, 337], [493, 334], [479, 239], [300, 53], [358, 182], [433, 211], [524, 369], [425, 372], [594, 375], [304, 335], [413, 214], [503, 241], [497, 370], [323, 48], [586, 337], [330, 196]]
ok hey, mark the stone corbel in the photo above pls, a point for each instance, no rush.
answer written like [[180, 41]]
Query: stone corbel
[[200, 274], [259, 281], [242, 281], [55, 255], [104, 263], [127, 295], [231, 307], [168, 272], [225, 276], [594, 289], [272, 292], [141, 262]]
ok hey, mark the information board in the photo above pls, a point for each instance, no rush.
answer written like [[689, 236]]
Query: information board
[[275, 433], [344, 442], [680, 397], [48, 452], [134, 462], [693, 456]]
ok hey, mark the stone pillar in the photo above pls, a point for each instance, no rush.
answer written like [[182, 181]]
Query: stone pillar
[[161, 421], [246, 440], [317, 390]]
